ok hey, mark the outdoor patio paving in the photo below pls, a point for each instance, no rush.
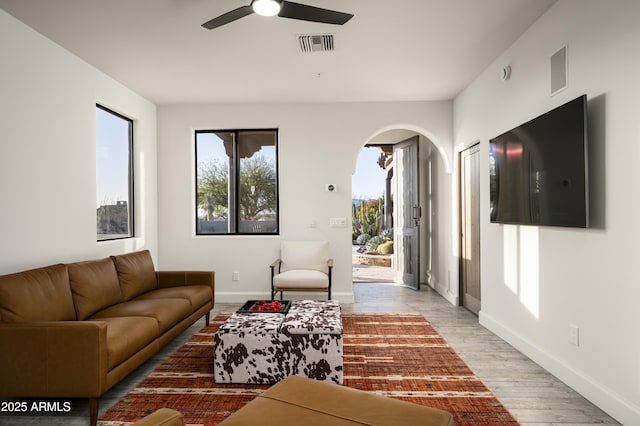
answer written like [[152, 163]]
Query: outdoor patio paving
[[369, 273]]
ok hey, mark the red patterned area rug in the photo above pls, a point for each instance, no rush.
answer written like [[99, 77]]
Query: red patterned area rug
[[396, 355]]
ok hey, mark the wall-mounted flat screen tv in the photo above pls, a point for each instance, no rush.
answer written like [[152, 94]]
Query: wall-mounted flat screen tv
[[538, 171]]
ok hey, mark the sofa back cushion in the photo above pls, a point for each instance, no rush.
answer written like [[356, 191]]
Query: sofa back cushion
[[94, 285], [41, 294], [135, 273]]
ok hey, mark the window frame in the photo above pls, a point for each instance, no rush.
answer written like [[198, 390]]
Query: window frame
[[235, 174], [130, 175]]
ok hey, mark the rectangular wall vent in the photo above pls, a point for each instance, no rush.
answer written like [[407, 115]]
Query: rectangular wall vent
[[315, 42], [559, 70]]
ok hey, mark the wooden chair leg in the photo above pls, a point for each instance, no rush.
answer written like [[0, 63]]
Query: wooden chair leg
[[93, 411], [207, 317]]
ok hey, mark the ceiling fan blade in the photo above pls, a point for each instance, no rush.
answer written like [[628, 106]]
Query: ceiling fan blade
[[235, 14], [314, 14]]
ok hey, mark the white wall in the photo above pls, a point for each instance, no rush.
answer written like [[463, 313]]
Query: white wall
[[318, 144], [566, 276], [439, 224], [47, 153], [439, 221]]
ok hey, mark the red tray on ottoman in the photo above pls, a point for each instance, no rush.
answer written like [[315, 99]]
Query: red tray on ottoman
[[266, 306]]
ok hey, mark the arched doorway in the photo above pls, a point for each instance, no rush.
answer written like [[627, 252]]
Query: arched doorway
[[432, 170]]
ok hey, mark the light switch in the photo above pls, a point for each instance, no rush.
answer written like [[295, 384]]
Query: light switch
[[338, 222]]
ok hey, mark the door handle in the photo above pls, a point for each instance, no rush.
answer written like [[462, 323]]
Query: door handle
[[417, 213]]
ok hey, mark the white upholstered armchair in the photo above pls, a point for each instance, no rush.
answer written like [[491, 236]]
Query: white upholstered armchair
[[302, 266]]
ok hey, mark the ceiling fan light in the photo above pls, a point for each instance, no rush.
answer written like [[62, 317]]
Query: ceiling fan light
[[266, 7]]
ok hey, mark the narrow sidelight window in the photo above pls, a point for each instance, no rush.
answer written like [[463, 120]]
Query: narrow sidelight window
[[236, 182], [114, 175]]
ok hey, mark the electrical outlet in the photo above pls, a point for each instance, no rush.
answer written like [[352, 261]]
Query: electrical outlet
[[236, 276], [574, 335]]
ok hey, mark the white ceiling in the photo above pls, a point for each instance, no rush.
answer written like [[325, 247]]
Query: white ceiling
[[398, 50]]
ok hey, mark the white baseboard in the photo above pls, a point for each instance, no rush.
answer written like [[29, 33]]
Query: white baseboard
[[241, 297], [616, 406], [442, 290]]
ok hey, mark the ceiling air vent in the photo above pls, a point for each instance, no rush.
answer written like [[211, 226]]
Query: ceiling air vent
[[315, 42]]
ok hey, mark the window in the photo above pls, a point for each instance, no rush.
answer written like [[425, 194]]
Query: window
[[236, 182], [114, 175]]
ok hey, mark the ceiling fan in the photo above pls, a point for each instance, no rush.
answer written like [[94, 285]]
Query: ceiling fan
[[282, 8]]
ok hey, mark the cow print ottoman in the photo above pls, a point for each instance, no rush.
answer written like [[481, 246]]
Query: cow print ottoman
[[264, 348]]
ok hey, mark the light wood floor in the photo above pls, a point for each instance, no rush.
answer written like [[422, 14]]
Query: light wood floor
[[532, 395]]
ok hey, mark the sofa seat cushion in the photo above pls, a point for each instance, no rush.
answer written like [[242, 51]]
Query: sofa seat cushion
[[167, 312], [136, 273], [301, 278], [41, 294], [127, 335], [94, 285], [197, 295]]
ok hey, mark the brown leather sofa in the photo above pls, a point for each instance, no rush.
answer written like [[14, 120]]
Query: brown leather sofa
[[75, 330], [298, 400]]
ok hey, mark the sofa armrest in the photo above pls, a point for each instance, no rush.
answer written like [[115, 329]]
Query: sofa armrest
[[53, 358], [167, 279]]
